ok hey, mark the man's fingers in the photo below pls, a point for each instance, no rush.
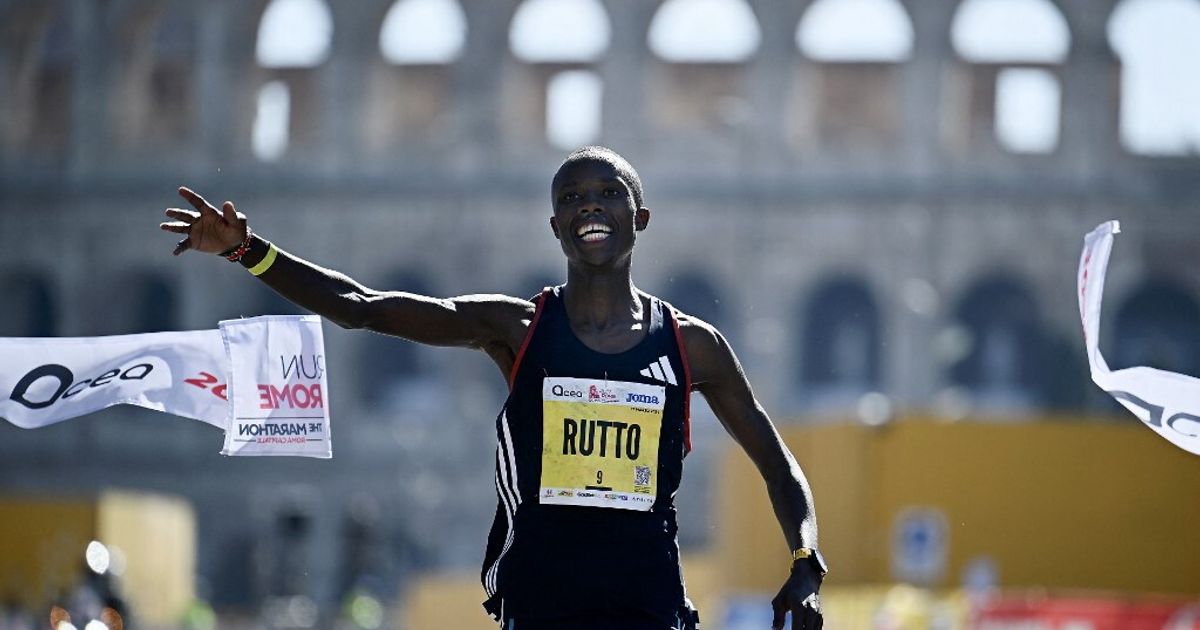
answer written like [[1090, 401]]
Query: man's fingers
[[778, 612], [180, 214], [198, 202], [178, 227], [230, 213], [182, 246]]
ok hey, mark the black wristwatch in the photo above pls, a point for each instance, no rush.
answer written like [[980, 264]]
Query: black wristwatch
[[813, 557]]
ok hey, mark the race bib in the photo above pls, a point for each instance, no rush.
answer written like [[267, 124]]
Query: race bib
[[600, 443]]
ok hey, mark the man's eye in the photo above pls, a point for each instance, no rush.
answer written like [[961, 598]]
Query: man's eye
[[612, 192], [571, 196]]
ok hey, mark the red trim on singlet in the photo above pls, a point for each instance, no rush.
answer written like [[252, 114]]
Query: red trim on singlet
[[537, 314], [687, 386]]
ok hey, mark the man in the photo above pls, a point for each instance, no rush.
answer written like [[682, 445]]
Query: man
[[592, 436]]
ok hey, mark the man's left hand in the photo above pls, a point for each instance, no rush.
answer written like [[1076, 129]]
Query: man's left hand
[[799, 597]]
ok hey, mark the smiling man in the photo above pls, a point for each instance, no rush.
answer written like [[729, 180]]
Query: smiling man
[[592, 437]]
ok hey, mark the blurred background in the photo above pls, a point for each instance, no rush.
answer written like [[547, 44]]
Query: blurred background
[[880, 202]]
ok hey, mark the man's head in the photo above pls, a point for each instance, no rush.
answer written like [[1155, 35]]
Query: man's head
[[597, 199], [603, 155]]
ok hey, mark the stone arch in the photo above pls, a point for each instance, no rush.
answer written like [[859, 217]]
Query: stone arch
[[154, 103], [1158, 326], [423, 32], [293, 39], [698, 87], [294, 34], [1160, 89], [704, 31], [1012, 84], [39, 44], [841, 339], [853, 89], [878, 31], [554, 91], [1002, 364]]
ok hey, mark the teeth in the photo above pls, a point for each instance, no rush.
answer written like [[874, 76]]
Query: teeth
[[594, 236], [596, 228]]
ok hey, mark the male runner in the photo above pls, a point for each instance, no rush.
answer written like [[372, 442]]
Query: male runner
[[592, 436]]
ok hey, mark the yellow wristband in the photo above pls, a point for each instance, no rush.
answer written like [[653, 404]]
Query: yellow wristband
[[265, 264]]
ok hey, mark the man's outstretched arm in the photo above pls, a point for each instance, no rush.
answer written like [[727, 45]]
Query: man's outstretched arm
[[718, 375], [490, 322]]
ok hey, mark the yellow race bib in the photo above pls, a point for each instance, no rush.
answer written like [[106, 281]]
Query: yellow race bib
[[600, 443]]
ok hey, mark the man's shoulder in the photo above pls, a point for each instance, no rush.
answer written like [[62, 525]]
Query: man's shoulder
[[698, 336]]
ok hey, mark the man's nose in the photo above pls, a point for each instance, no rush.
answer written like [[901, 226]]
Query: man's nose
[[591, 203]]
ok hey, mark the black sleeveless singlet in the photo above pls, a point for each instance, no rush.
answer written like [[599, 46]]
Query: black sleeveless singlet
[[589, 457]]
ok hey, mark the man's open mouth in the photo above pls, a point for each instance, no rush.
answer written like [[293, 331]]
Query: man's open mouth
[[593, 231]]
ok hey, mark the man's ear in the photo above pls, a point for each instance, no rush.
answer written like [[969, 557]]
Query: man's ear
[[641, 219], [554, 227]]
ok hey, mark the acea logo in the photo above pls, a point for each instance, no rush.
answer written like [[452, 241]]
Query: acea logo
[[46, 385], [566, 392]]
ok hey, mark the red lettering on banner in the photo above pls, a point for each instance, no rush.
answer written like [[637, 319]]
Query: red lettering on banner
[[295, 396], [281, 395]]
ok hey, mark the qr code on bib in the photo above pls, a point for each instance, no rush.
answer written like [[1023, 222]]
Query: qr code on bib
[[641, 475]]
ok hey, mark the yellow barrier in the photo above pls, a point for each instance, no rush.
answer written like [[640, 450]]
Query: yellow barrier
[[42, 544], [1056, 504]]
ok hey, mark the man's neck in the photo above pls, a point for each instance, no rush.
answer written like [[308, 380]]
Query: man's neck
[[601, 299]]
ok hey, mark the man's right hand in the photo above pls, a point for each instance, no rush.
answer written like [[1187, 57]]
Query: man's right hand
[[208, 230]]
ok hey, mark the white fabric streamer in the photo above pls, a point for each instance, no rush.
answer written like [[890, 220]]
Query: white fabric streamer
[[253, 378], [1167, 402]]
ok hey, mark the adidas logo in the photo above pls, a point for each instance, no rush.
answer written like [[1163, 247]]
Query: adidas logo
[[661, 371]]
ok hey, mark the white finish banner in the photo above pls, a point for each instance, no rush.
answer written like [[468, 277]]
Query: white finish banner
[[1166, 402], [277, 393], [192, 374]]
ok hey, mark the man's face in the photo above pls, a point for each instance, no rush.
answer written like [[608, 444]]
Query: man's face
[[595, 216]]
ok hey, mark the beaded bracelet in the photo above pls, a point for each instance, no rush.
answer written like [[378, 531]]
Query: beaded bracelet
[[235, 254]]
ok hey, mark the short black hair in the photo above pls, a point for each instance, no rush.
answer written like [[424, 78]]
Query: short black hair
[[596, 153]]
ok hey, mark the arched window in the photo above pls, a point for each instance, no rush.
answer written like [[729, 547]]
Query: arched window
[[294, 36], [1160, 88], [1002, 366], [841, 341], [698, 91], [692, 293], [1007, 31], [153, 106], [40, 52], [1014, 48], [560, 31], [410, 95], [878, 31], [855, 88], [1158, 326], [559, 40], [704, 31], [423, 32], [29, 307]]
